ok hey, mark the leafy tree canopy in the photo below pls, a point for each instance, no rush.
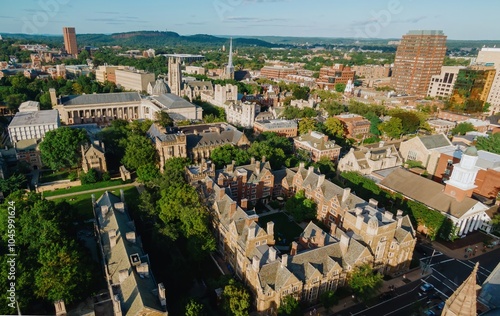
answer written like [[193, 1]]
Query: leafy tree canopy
[[491, 143], [289, 307], [364, 282], [236, 299], [138, 152], [61, 147]]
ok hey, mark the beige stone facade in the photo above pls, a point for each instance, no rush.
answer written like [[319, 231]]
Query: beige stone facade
[[318, 146], [93, 157], [426, 149], [367, 160]]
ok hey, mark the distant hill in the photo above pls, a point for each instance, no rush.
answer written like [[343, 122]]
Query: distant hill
[[144, 39]]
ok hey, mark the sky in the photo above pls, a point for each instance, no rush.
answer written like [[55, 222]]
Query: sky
[[459, 19]]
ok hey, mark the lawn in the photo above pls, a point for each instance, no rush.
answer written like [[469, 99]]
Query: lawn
[[50, 176], [285, 231], [83, 202], [84, 187]]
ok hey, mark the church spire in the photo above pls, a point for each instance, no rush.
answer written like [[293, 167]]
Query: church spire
[[230, 67], [463, 301]]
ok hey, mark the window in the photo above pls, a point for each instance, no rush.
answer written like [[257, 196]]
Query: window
[[412, 155]]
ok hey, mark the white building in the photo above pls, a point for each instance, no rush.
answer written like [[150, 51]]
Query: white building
[[29, 106], [242, 114], [32, 125], [491, 56], [442, 85]]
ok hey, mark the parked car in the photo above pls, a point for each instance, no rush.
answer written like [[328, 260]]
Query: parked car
[[440, 306], [429, 312], [426, 287]]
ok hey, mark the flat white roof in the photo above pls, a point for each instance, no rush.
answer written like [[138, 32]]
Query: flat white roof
[[35, 118]]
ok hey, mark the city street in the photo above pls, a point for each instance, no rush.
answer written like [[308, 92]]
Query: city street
[[446, 276]]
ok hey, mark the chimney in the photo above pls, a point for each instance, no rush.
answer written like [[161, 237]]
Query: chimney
[[122, 196], [388, 152], [284, 260], [321, 179], [346, 194], [210, 184], [230, 168], [270, 228], [104, 210], [263, 159], [310, 170], [388, 215], [130, 237], [321, 239], [123, 275], [358, 211], [359, 217], [399, 217], [293, 250], [60, 308], [344, 241], [232, 208], [116, 305], [222, 192], [333, 229], [161, 295], [252, 161], [120, 206], [272, 254], [399, 213], [381, 144], [244, 204], [373, 202], [143, 269], [112, 241], [255, 264], [251, 232], [53, 96], [302, 165], [257, 167]]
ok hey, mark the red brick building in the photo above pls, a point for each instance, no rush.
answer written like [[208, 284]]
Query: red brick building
[[330, 76], [355, 126]]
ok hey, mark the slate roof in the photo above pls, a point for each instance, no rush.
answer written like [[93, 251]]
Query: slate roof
[[316, 140], [172, 101], [428, 192], [136, 294], [101, 98], [435, 141], [213, 138], [253, 172]]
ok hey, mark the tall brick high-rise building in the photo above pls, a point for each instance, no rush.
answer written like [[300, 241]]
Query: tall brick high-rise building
[[419, 57], [70, 40]]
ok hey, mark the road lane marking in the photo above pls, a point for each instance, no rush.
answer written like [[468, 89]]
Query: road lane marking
[[420, 299], [472, 267], [441, 282], [480, 267], [442, 262], [444, 276]]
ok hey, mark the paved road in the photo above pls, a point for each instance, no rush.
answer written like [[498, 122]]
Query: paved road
[[447, 275], [121, 186]]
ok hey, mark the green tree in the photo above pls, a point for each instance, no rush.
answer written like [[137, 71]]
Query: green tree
[[164, 119], [138, 152], [61, 147], [193, 308], [12, 183], [364, 282], [393, 128], [224, 155], [328, 299], [301, 93], [89, 177], [463, 128], [236, 299], [289, 307], [325, 166], [340, 87], [306, 125], [300, 207], [334, 127], [148, 172], [491, 143], [60, 274]]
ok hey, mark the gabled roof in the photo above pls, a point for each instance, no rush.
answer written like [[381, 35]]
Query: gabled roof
[[172, 101], [213, 138], [435, 141], [137, 294], [429, 193]]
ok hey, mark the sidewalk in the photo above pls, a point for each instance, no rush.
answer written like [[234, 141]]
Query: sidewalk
[[469, 247], [412, 276]]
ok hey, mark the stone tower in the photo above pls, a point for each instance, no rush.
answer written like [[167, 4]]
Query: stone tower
[[463, 301], [174, 74], [463, 177], [229, 74]]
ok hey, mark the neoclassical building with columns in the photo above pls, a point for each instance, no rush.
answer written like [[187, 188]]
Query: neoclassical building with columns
[[105, 107]]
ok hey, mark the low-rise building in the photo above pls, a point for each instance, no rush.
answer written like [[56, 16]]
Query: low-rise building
[[367, 160], [355, 126], [194, 89], [441, 126], [277, 72], [29, 106], [337, 74], [287, 128], [242, 113], [318, 146], [27, 150], [32, 125], [126, 265], [195, 142], [426, 150], [93, 157]]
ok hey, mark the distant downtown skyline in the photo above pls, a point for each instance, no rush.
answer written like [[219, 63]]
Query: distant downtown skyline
[[318, 18]]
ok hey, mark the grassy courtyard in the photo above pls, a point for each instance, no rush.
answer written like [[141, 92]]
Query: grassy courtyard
[[84, 187], [285, 231], [50, 176], [83, 202]]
